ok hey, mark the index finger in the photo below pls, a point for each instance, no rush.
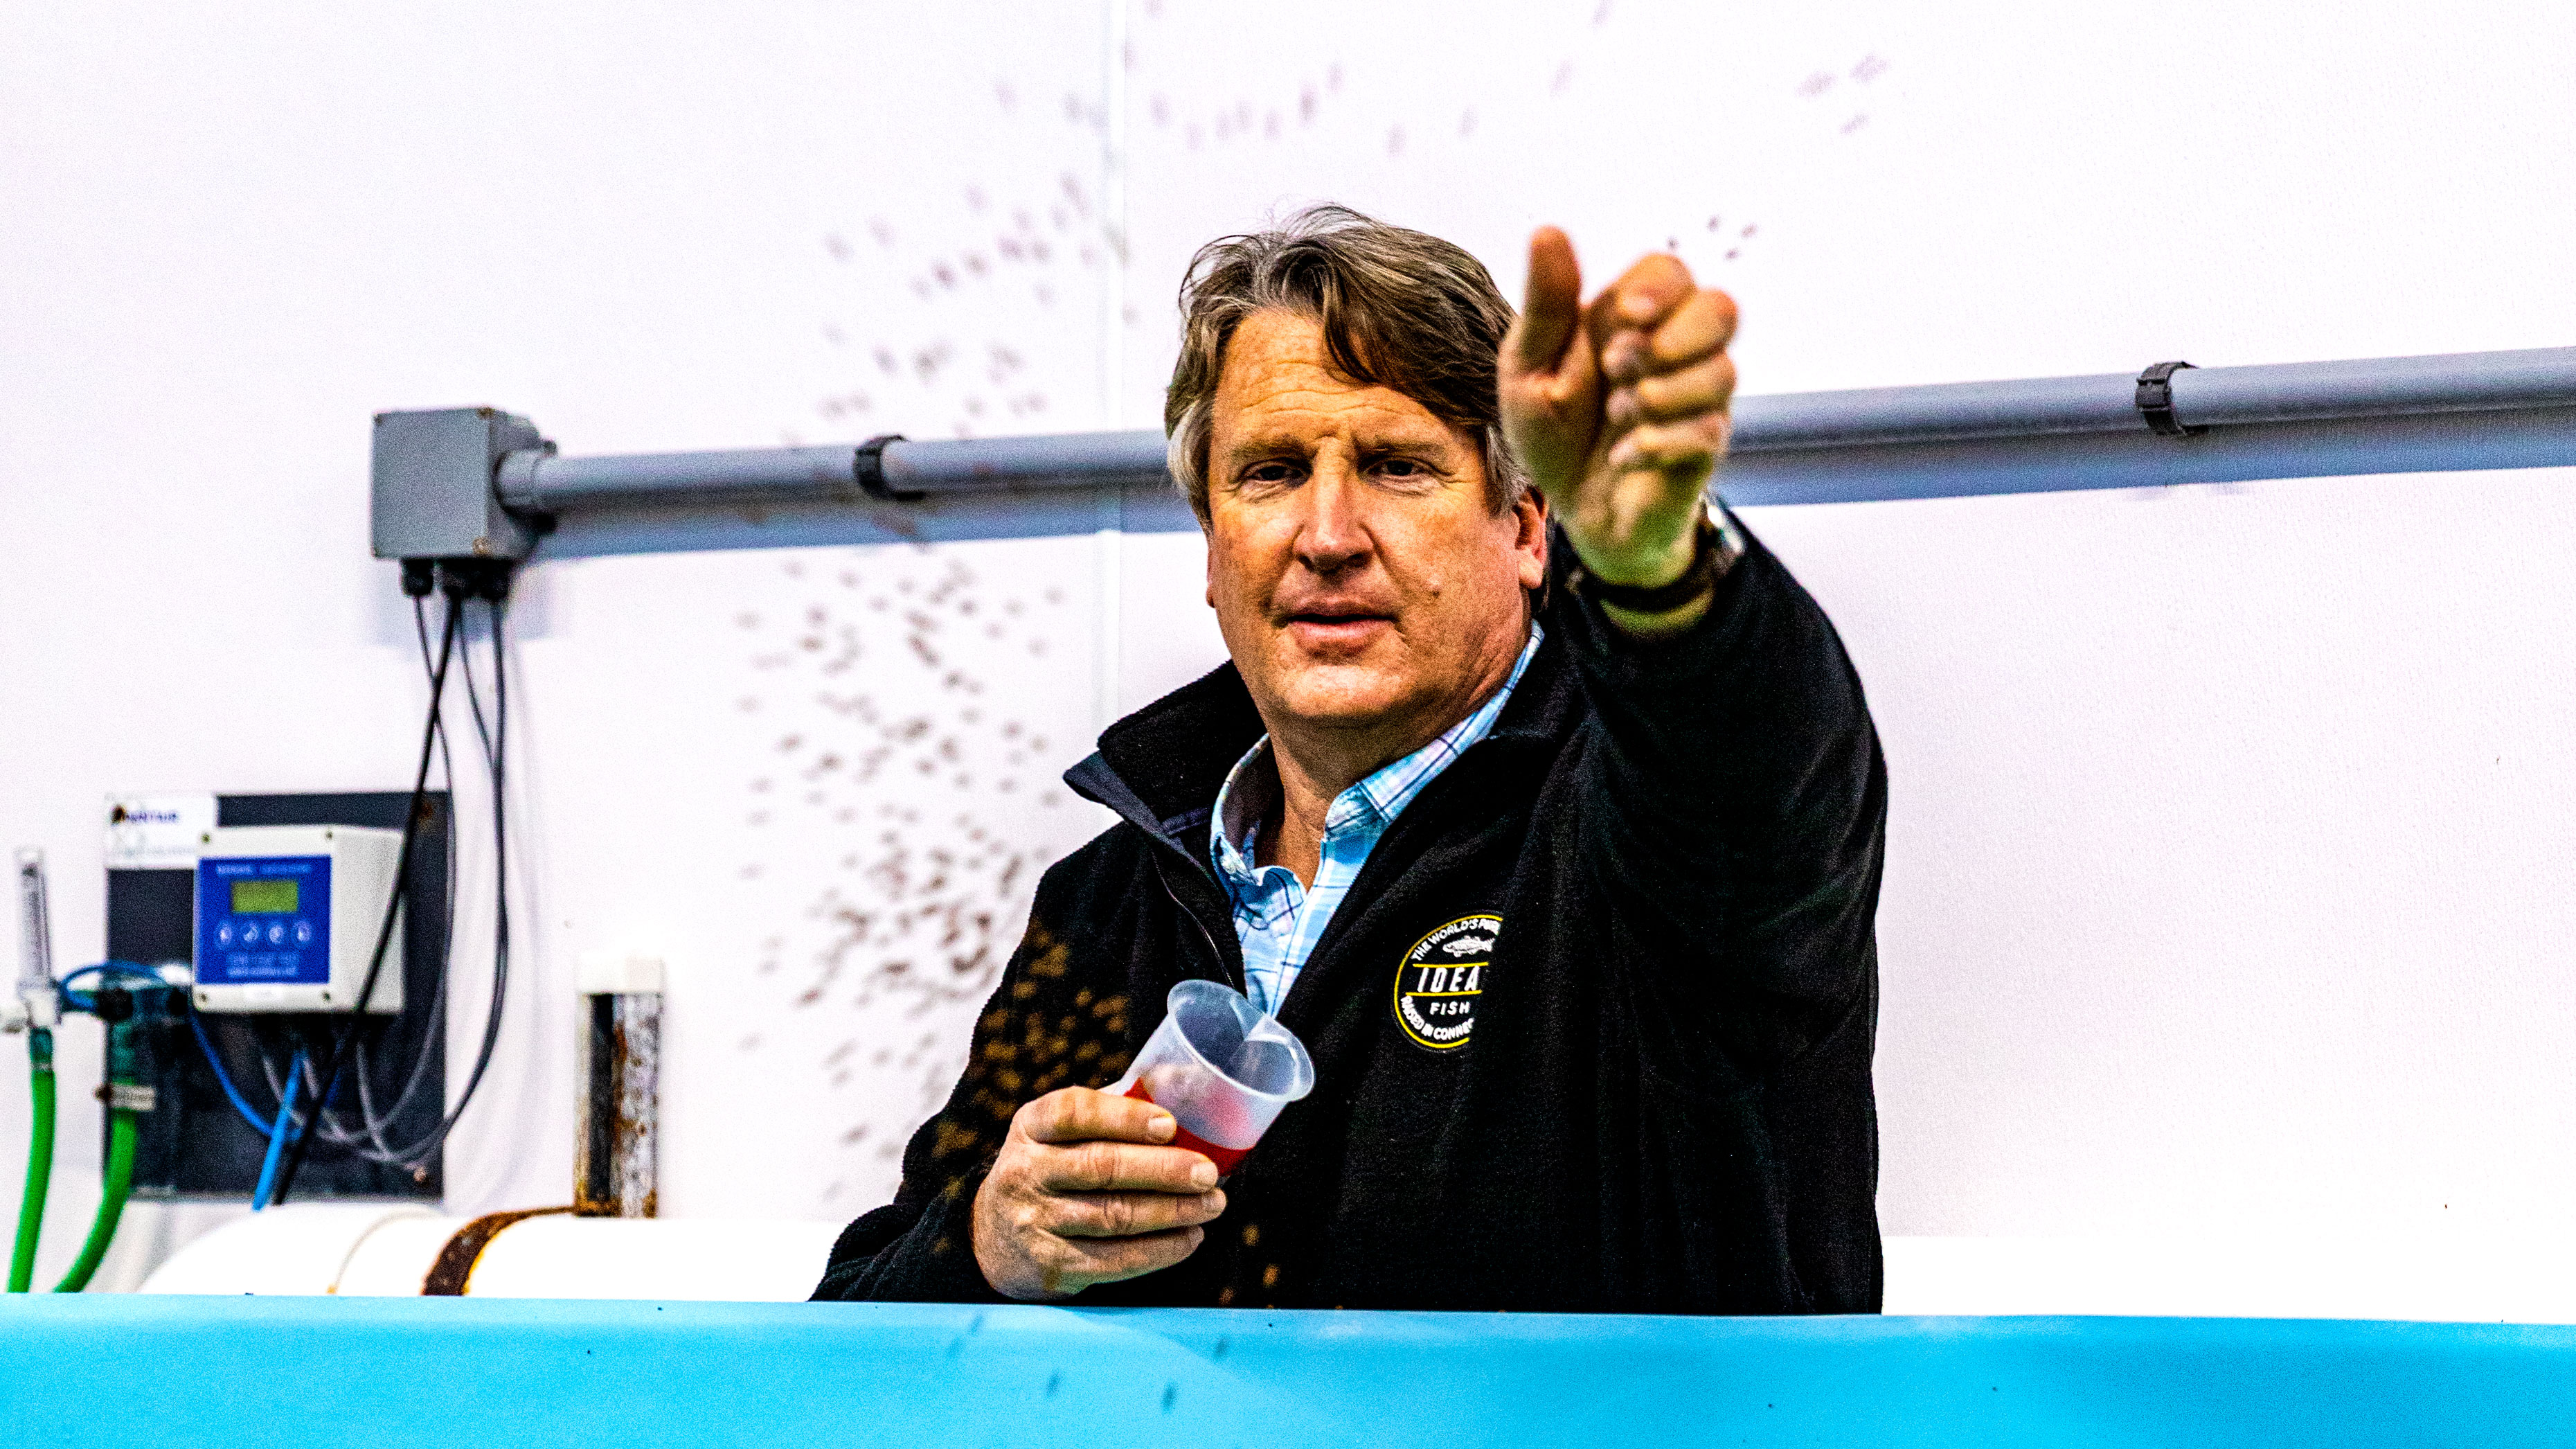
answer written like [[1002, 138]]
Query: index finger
[[1080, 1114], [1552, 306]]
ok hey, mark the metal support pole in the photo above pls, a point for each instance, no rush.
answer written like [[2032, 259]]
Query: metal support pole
[[618, 1148]]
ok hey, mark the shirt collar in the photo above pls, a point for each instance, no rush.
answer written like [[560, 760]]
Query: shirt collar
[[1251, 788]]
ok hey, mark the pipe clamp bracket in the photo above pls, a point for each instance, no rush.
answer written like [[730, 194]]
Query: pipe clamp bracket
[[870, 467], [2155, 402]]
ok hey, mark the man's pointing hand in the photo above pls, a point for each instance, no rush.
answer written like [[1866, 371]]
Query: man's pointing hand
[[1620, 409]]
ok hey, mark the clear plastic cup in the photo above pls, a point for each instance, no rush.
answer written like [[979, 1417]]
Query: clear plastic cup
[[1221, 1067]]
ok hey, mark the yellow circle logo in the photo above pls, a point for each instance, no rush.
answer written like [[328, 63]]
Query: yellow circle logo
[[1438, 981]]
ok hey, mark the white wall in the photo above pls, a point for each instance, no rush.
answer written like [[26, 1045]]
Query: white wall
[[2228, 878]]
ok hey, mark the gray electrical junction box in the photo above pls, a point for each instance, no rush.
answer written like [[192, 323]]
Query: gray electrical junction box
[[434, 494]]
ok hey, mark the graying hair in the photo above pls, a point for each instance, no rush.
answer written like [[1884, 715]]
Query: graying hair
[[1399, 308]]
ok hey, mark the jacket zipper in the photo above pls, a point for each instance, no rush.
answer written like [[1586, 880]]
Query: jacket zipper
[[1233, 977]]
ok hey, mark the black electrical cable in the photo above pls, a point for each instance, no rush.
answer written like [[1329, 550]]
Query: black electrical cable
[[372, 1145], [369, 1142], [447, 772], [496, 756], [342, 1036], [495, 742], [474, 693]]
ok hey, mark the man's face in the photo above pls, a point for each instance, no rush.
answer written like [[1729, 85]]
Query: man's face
[[1364, 585]]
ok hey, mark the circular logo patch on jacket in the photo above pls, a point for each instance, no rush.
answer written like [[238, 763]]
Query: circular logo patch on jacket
[[1437, 983]]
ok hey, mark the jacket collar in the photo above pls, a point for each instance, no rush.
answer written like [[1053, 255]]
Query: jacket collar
[[1160, 768]]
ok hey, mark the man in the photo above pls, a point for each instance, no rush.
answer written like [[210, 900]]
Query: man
[[1619, 771]]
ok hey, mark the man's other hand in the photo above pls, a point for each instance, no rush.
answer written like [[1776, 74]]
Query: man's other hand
[[1620, 408], [1087, 1190]]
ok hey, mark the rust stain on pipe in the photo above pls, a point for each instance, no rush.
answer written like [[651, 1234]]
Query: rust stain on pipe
[[617, 1151], [454, 1267]]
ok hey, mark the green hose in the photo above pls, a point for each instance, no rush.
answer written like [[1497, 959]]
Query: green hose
[[111, 1203], [40, 1157]]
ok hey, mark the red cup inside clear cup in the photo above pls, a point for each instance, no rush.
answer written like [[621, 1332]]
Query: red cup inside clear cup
[[1221, 1067]]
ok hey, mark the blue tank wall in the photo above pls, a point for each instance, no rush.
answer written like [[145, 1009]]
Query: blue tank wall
[[386, 1373]]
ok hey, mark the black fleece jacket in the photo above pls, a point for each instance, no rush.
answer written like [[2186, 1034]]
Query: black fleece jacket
[[1661, 1099]]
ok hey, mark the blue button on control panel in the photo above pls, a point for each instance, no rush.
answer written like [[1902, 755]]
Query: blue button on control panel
[[264, 920]]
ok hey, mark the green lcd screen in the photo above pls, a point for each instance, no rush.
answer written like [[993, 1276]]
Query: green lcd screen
[[264, 897]]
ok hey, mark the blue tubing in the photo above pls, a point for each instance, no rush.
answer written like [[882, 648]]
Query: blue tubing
[[224, 1078], [134, 969], [111, 971], [278, 1135]]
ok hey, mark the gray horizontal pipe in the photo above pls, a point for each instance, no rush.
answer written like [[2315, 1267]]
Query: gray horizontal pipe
[[2203, 397], [1805, 422], [546, 483], [2460, 382], [549, 484], [981, 465], [1842, 432]]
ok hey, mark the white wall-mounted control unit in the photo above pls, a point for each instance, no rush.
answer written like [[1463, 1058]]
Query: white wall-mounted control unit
[[288, 916]]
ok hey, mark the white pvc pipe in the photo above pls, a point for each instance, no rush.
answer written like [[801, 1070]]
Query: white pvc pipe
[[2415, 1276], [298, 1248], [385, 1250], [391, 1260], [729, 1260]]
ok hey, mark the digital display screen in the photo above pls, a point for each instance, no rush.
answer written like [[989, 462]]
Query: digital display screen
[[264, 897]]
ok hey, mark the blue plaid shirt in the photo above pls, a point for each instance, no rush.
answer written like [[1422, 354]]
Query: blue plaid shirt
[[1278, 919]]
